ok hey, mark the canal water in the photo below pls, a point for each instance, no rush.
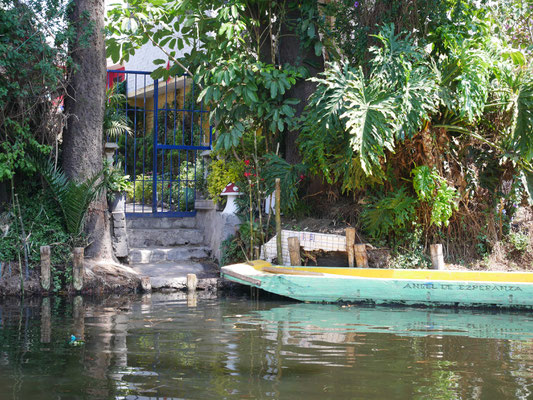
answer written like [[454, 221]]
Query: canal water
[[177, 346]]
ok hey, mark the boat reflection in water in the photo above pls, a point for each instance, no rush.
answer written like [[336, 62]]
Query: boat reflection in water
[[333, 323]]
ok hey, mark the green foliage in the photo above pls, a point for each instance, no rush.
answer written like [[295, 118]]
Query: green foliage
[[519, 240], [432, 189], [116, 181], [368, 116], [387, 213], [521, 135], [231, 252], [291, 176], [180, 193], [32, 39], [356, 23], [43, 225], [222, 172], [73, 197], [233, 56], [409, 251], [410, 260], [116, 124]]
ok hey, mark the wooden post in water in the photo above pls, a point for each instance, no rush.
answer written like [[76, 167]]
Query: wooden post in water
[[192, 282], [361, 259], [350, 242], [146, 285], [294, 251], [77, 268], [437, 258], [45, 267], [278, 221]]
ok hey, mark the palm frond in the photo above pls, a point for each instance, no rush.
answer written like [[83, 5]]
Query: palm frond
[[73, 198]]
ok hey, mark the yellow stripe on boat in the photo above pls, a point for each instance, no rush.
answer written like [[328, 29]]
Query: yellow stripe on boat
[[411, 274]]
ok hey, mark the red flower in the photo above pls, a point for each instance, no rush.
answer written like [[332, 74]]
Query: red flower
[[247, 174], [246, 162]]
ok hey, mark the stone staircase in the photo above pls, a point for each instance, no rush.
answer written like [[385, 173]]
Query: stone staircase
[[167, 249]]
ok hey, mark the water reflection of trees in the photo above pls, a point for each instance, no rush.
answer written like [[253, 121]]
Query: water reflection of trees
[[177, 347]]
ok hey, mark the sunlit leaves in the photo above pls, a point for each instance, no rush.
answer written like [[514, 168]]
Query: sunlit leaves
[[523, 129], [375, 112]]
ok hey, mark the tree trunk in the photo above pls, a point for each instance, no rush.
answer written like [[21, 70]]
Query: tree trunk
[[292, 51], [84, 105]]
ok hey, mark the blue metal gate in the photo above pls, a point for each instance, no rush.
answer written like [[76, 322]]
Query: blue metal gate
[[163, 131]]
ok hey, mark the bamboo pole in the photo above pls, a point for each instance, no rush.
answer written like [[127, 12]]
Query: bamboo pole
[[350, 242], [437, 257], [294, 251], [278, 221], [361, 258], [45, 267], [77, 268]]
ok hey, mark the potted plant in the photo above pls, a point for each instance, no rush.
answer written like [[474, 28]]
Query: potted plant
[[118, 187]]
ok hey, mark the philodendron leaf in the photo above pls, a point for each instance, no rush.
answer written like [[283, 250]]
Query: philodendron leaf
[[527, 180]]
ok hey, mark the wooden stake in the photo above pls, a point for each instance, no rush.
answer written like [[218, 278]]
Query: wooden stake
[[437, 258], [77, 268], [294, 251], [361, 259], [146, 285], [45, 268], [278, 221], [350, 241], [192, 282]]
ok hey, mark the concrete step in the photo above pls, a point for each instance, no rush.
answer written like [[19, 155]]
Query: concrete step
[[160, 223], [161, 237], [145, 255], [172, 274]]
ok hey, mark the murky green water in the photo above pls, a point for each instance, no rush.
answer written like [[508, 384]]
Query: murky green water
[[175, 347]]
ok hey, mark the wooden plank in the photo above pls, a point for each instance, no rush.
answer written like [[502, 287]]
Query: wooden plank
[[294, 251], [241, 277], [45, 268], [437, 257], [350, 242], [361, 258]]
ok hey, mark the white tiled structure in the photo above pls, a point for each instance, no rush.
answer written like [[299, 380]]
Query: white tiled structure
[[308, 241]]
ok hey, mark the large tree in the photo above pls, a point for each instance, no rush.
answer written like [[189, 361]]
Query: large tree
[[82, 140]]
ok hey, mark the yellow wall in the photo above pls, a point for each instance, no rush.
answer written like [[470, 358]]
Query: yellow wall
[[147, 102]]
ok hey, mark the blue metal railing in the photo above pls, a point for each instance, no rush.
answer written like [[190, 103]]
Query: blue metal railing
[[163, 169]]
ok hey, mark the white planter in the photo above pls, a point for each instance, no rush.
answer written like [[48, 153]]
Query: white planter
[[119, 202]]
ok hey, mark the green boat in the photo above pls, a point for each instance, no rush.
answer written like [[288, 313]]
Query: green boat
[[512, 290]]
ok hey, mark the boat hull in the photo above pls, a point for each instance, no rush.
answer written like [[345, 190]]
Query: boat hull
[[451, 288]]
